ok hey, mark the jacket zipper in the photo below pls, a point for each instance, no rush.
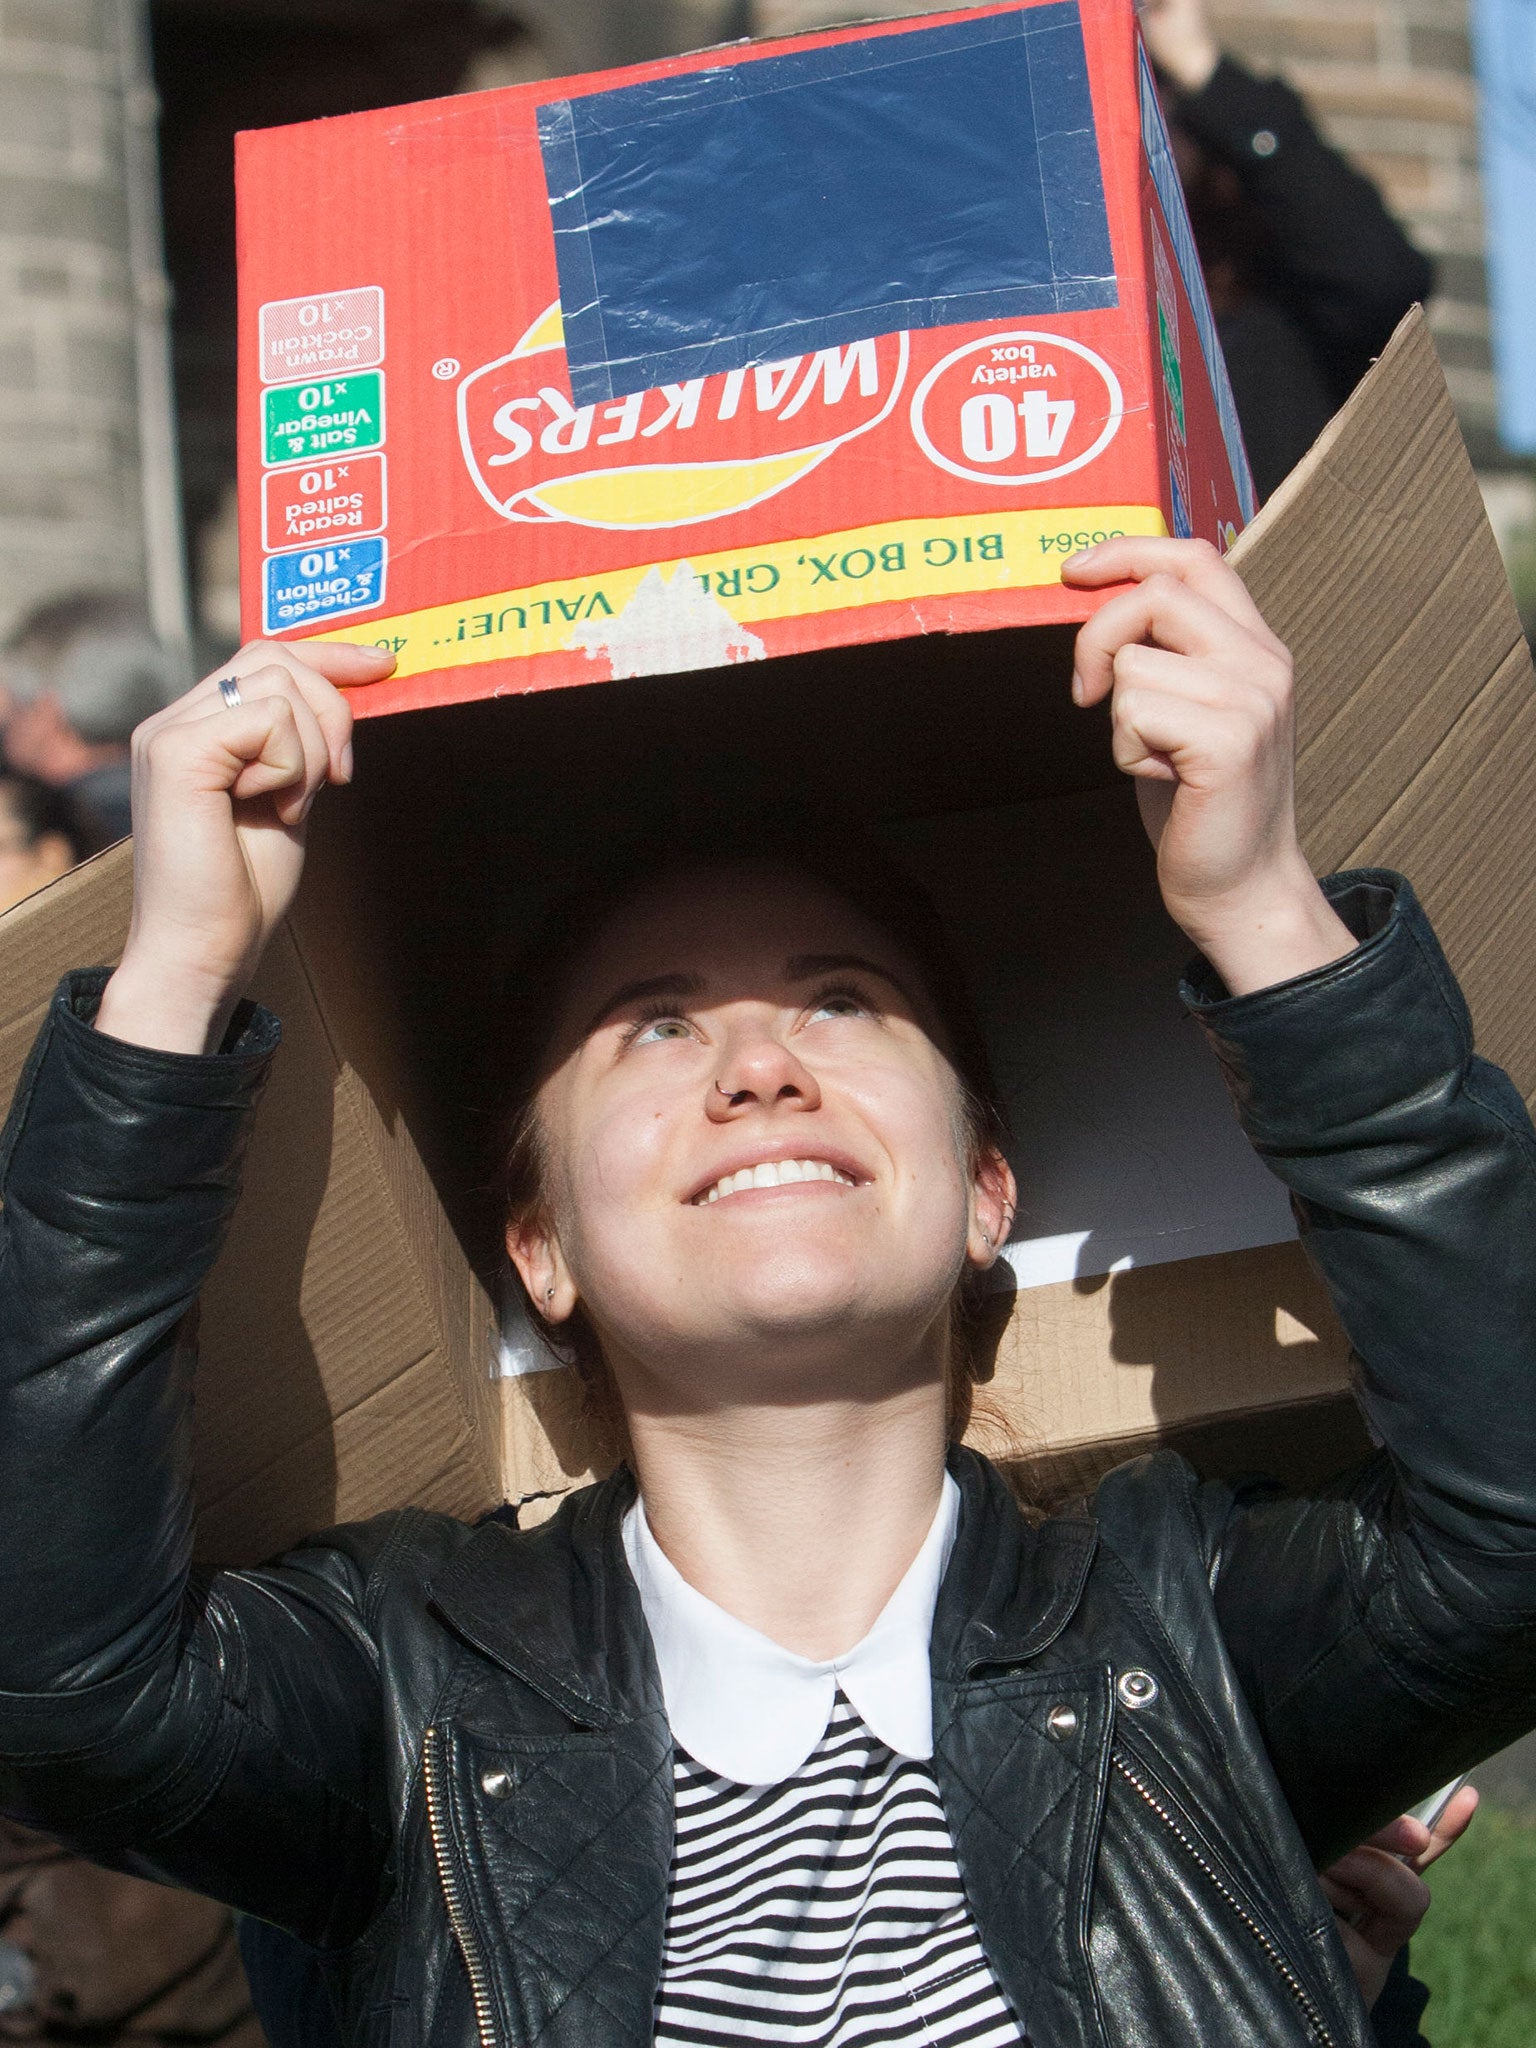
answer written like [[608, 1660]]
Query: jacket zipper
[[453, 1896], [1287, 1975]]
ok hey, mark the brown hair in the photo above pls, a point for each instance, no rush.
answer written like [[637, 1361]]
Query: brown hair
[[849, 866]]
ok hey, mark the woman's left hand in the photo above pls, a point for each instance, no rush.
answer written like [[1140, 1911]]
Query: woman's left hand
[[1377, 1891], [1200, 691]]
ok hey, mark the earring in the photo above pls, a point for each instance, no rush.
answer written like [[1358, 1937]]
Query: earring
[[549, 1294], [986, 1240]]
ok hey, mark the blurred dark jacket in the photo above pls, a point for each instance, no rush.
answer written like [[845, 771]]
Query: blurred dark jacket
[[1308, 272]]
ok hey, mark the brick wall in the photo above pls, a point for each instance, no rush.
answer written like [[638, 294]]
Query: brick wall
[[70, 508]]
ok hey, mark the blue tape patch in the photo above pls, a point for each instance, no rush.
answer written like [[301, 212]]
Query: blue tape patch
[[1165, 177], [772, 207], [322, 583]]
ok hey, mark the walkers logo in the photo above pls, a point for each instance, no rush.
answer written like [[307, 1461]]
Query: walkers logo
[[673, 456]]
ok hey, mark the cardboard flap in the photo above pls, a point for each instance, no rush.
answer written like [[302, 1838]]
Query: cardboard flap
[[1415, 699], [343, 1339], [81, 920]]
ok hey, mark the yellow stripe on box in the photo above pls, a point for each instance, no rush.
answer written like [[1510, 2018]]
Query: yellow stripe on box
[[900, 559]]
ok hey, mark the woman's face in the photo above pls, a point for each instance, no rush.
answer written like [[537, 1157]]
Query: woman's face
[[755, 1152]]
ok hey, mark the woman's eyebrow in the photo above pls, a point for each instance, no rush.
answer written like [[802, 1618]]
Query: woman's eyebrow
[[680, 985], [804, 966]]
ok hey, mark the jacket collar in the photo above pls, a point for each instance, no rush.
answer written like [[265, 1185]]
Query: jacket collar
[[1011, 1587], [558, 1607]]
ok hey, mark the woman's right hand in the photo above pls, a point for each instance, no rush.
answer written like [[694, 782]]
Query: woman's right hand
[[220, 797]]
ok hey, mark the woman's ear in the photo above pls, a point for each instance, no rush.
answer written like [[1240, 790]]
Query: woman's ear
[[994, 1198], [534, 1250]]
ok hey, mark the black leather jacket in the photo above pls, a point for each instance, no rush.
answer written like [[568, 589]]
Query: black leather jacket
[[440, 1753]]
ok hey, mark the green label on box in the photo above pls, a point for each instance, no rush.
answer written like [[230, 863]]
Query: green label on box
[[1173, 370], [303, 421]]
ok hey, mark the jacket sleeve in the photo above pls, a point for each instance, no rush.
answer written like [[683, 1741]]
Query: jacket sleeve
[[1386, 1637], [213, 1732], [1332, 254]]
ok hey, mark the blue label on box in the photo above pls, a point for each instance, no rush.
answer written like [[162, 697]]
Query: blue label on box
[[1183, 525], [323, 583]]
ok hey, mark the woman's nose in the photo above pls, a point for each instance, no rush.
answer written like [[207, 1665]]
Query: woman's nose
[[757, 1072]]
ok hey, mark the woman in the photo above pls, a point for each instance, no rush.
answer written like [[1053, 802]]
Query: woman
[[796, 1729]]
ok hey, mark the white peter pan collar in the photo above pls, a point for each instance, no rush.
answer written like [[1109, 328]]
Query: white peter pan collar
[[748, 1709]]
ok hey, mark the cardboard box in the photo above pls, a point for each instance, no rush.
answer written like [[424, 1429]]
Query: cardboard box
[[770, 348], [347, 1342], [352, 1354]]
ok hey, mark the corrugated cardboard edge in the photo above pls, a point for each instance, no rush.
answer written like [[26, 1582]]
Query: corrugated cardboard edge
[[1416, 701]]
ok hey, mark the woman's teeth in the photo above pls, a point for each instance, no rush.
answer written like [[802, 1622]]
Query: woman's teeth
[[775, 1173]]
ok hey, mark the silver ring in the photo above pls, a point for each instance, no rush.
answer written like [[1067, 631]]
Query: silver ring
[[229, 690]]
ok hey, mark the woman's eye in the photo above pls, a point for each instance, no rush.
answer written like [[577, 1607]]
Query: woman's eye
[[658, 1029], [838, 1006]]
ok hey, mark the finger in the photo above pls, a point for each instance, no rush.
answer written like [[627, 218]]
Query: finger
[[1159, 735], [1355, 1918], [257, 746], [329, 707], [346, 661], [1169, 614], [268, 669], [1450, 1827], [351, 662], [1392, 1895], [1133, 558], [1345, 1903], [1404, 1836], [274, 685], [1195, 681]]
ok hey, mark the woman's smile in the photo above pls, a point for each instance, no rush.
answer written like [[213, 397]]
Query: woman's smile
[[767, 1169]]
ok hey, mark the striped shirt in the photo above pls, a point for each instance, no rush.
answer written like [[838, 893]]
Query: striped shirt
[[815, 1897], [825, 1909]]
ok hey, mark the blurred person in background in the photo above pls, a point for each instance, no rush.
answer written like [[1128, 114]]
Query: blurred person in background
[[90, 1958], [78, 674], [41, 836], [1308, 272]]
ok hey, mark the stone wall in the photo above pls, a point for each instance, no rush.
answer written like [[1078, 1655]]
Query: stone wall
[[70, 499]]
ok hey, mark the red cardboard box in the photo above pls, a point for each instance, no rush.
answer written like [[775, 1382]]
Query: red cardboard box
[[770, 348]]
